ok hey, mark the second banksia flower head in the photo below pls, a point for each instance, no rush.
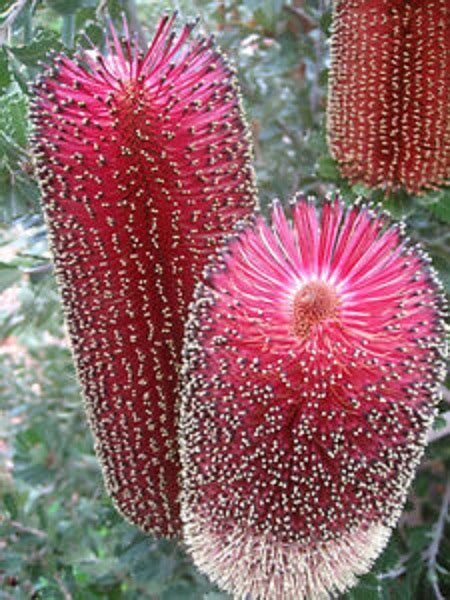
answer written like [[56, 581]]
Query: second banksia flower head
[[144, 165], [313, 357], [389, 99]]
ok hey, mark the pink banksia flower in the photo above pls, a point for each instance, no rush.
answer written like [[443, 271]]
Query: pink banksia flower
[[143, 160], [389, 104], [312, 361]]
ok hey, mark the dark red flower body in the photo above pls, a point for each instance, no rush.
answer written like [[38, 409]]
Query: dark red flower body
[[144, 165], [389, 100], [312, 364]]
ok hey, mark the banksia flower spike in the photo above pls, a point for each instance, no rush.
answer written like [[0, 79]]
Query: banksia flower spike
[[312, 362], [389, 100], [144, 165]]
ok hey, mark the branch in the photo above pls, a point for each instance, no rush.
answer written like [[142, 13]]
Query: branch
[[44, 268], [62, 586], [31, 530], [393, 573], [445, 394], [302, 17], [433, 550], [12, 15]]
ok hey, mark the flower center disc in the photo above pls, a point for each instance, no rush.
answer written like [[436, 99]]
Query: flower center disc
[[313, 303]]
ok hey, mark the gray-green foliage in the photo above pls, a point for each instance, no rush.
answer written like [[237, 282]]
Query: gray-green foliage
[[59, 535]]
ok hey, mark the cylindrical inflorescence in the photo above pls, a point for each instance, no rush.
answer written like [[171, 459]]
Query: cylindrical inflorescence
[[144, 165], [312, 362], [389, 97]]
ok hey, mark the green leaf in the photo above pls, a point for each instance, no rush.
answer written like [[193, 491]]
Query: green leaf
[[419, 537], [65, 7], [9, 150], [439, 422], [327, 168], [368, 588], [5, 5], [5, 72], [325, 22], [441, 209], [14, 117], [323, 77], [11, 562], [90, 33], [44, 42], [400, 204], [19, 194], [115, 8], [422, 483], [9, 275], [10, 504]]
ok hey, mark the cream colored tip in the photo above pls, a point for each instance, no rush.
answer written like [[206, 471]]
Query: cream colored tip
[[258, 567]]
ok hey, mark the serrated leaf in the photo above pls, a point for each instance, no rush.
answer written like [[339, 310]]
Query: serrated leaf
[[44, 42], [9, 150], [19, 194], [14, 117], [90, 34]]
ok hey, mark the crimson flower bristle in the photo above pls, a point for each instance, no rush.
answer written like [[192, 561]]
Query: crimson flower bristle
[[144, 165], [312, 362], [389, 100]]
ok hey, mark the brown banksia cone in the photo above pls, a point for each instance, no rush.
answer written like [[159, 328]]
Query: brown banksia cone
[[389, 98]]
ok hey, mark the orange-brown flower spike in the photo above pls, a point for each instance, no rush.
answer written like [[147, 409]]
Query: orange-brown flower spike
[[144, 166], [389, 98]]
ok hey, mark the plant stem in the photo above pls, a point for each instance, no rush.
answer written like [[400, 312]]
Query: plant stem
[[31, 530], [13, 13], [135, 24], [28, 24], [438, 533], [68, 30], [446, 394]]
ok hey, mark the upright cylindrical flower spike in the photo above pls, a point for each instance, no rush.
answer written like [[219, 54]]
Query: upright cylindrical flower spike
[[144, 165], [389, 99], [312, 362]]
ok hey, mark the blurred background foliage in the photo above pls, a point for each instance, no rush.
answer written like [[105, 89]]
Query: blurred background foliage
[[60, 537]]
